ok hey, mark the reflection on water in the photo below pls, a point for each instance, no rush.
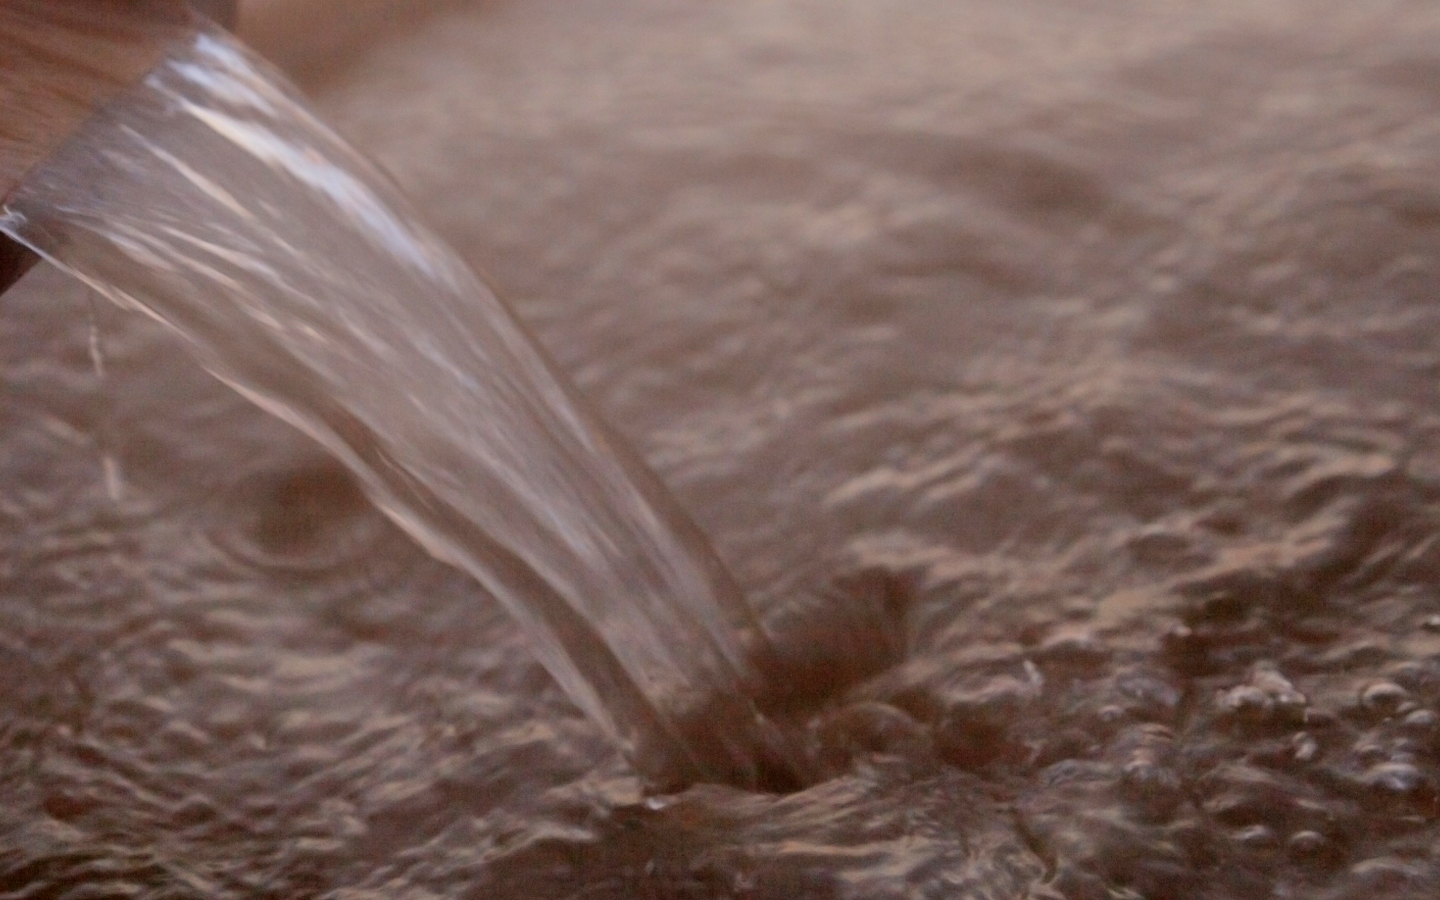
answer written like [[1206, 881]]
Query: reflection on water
[[1107, 330]]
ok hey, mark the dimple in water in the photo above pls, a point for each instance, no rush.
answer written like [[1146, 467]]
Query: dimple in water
[[210, 198]]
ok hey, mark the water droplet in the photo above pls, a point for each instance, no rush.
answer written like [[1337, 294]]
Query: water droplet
[[109, 465], [114, 480], [97, 352]]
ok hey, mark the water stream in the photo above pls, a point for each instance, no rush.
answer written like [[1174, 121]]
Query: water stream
[[1057, 378], [212, 199]]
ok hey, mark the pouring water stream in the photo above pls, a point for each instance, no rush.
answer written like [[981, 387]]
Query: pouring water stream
[[211, 199]]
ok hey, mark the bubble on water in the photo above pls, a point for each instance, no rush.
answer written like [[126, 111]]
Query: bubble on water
[[1256, 838], [1383, 697], [1420, 720], [1309, 848], [1247, 701], [1394, 778], [1304, 747]]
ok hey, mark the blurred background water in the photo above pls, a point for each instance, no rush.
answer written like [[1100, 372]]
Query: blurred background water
[[1059, 378]]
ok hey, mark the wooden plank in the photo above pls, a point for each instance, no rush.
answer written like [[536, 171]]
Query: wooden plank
[[60, 60]]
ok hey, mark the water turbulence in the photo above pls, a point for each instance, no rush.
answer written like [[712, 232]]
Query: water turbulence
[[210, 198]]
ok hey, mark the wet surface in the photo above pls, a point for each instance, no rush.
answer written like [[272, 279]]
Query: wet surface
[[1063, 394]]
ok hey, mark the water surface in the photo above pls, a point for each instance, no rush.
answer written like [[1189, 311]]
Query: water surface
[[1105, 330]]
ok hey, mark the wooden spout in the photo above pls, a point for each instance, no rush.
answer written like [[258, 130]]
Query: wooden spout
[[60, 60]]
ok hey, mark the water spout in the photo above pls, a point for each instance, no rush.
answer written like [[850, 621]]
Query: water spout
[[207, 196]]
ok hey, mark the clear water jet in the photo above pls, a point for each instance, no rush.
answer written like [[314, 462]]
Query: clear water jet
[[209, 197]]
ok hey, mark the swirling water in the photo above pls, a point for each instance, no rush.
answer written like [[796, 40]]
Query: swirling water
[[1095, 343]]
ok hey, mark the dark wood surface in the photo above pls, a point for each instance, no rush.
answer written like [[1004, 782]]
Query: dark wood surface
[[59, 61]]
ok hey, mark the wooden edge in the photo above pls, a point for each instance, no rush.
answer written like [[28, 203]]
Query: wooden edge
[[15, 261], [61, 60]]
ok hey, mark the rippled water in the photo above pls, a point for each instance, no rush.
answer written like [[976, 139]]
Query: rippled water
[[1059, 379]]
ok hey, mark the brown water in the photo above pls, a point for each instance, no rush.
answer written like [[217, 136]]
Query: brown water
[[1107, 329]]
